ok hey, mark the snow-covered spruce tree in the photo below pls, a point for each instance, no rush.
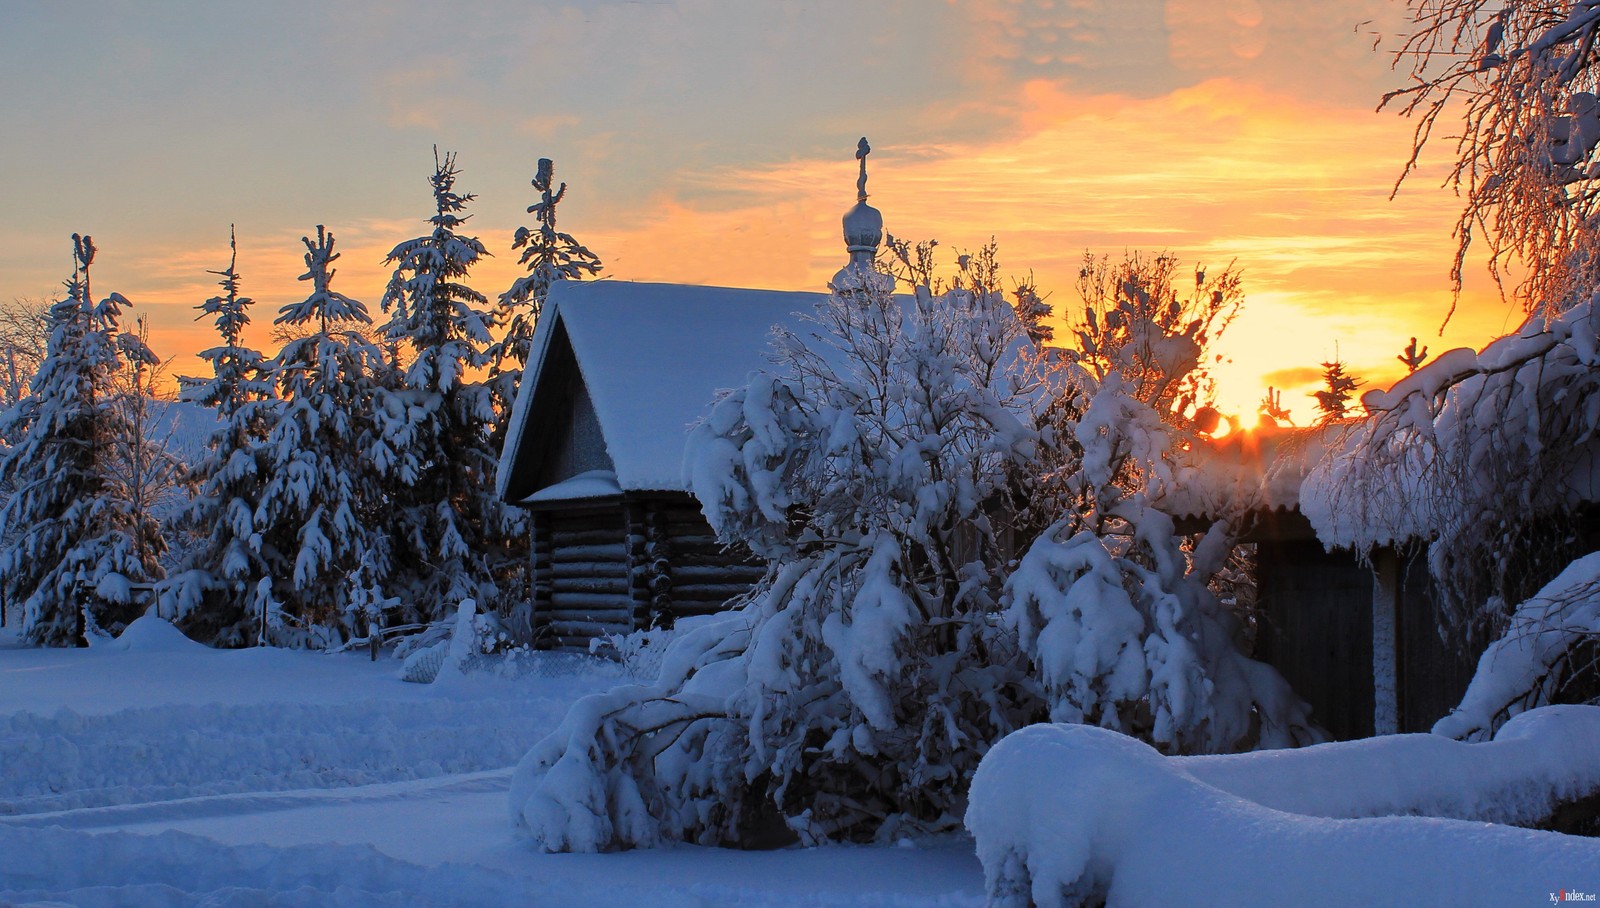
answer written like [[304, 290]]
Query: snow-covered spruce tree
[[321, 500], [214, 594], [549, 255], [448, 528], [1112, 607], [854, 693], [75, 546], [1337, 385]]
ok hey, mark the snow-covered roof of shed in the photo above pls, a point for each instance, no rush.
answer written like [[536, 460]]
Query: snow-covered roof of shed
[[1259, 469], [652, 356]]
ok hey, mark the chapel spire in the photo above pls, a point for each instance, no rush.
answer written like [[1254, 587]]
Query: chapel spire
[[863, 233]]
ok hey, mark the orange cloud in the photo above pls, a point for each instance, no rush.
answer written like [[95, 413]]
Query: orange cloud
[[1294, 191]]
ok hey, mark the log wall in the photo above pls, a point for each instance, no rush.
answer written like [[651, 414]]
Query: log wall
[[616, 567]]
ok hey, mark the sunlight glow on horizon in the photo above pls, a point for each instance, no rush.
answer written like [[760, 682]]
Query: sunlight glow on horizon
[[1240, 131]]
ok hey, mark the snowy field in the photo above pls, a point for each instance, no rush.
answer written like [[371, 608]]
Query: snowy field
[[169, 774]]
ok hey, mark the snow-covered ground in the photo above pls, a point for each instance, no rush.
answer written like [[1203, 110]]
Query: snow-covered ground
[[165, 773]]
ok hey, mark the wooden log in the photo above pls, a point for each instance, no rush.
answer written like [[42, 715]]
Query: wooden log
[[706, 597], [614, 552], [560, 598], [690, 538], [615, 586], [588, 616], [590, 570], [700, 572], [607, 521], [568, 538]]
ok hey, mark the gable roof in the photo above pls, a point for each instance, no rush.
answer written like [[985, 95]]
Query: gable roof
[[652, 357]]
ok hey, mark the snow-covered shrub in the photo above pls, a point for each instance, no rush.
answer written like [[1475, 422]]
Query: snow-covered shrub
[[854, 692], [1551, 637], [1118, 619], [1145, 830], [640, 652], [1113, 612]]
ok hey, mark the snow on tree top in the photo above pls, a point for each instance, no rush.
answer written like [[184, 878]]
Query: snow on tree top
[[653, 356]]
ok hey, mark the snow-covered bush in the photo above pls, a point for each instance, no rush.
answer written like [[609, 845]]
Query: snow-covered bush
[[1551, 639], [1117, 618], [1113, 610], [641, 652], [854, 692]]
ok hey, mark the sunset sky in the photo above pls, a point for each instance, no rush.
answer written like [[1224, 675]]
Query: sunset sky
[[712, 142]]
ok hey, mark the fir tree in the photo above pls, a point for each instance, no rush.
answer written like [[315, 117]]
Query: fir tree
[[434, 426], [1334, 399], [1032, 310], [550, 256], [320, 497], [215, 595], [75, 549]]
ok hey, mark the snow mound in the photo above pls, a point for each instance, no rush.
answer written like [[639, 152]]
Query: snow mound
[[1124, 825], [1539, 761], [150, 634]]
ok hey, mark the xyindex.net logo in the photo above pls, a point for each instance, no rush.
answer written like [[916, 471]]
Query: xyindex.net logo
[[1570, 895]]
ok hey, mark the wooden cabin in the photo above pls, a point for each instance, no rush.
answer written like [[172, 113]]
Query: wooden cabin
[[619, 373]]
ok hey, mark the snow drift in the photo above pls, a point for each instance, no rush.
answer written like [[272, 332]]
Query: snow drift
[[1135, 828]]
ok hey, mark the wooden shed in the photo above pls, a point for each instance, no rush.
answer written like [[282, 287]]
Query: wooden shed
[[1356, 637], [619, 373]]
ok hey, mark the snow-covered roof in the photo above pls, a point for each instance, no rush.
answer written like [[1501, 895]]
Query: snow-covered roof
[[652, 356], [1259, 469], [586, 485]]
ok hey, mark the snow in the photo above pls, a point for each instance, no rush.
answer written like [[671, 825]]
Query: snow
[[1135, 828], [1260, 468], [588, 484], [653, 357], [150, 634], [167, 773]]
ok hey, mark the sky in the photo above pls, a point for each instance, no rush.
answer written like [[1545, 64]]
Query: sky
[[712, 142]]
